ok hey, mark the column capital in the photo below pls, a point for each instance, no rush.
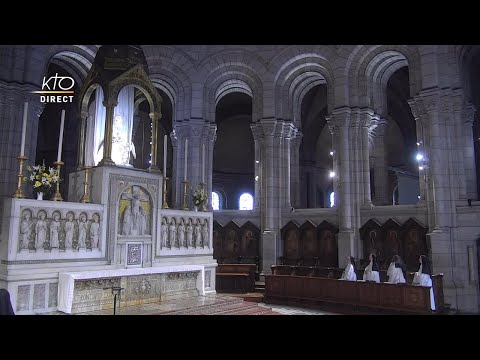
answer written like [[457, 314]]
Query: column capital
[[155, 116], [468, 113], [288, 130], [269, 126], [257, 131], [110, 103]]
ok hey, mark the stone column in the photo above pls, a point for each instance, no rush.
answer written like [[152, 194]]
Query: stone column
[[210, 136], [334, 130], [368, 122], [108, 137], [340, 121], [81, 140], [295, 143], [270, 238], [155, 117], [173, 182], [380, 169], [182, 133], [468, 115], [285, 160], [258, 139]]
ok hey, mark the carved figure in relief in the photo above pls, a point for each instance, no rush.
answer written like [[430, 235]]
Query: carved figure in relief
[[190, 233], [197, 233], [69, 231], [142, 222], [181, 234], [41, 230], [205, 233], [127, 220], [165, 239], [95, 231], [82, 231], [172, 229], [54, 229], [26, 228]]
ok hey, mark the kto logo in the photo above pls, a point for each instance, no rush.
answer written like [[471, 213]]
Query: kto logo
[[57, 85]]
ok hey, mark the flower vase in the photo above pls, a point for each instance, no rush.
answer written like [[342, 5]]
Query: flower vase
[[203, 207], [195, 208], [39, 195]]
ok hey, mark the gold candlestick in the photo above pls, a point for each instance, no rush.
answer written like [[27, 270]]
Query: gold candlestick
[[19, 193], [85, 197], [165, 204], [57, 196], [185, 195]]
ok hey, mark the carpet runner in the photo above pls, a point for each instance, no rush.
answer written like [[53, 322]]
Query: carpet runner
[[223, 306]]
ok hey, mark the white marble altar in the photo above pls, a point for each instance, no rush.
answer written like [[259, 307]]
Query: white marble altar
[[76, 296]]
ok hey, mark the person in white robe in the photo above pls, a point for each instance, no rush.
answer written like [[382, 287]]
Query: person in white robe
[[395, 271], [422, 278], [349, 272], [371, 272]]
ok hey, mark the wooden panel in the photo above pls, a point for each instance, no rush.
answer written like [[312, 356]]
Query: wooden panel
[[370, 233], [311, 290], [231, 240], [328, 249], [309, 247], [250, 240], [391, 244], [414, 239], [217, 240]]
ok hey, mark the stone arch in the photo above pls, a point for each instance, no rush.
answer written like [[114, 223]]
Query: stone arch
[[240, 66], [369, 68], [75, 59], [295, 77]]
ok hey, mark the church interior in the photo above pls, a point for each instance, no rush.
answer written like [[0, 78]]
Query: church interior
[[239, 179]]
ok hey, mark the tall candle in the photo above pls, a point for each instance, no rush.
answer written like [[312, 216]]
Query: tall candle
[[185, 167], [165, 155], [60, 137], [24, 129], [203, 163]]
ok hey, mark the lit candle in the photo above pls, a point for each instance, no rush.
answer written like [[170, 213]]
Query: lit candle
[[165, 155], [185, 167], [24, 129], [60, 137], [203, 163]]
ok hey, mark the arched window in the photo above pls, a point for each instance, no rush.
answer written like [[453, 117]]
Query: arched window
[[332, 199], [215, 201], [245, 202]]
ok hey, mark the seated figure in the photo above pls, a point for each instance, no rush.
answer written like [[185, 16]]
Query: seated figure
[[422, 278], [395, 271], [5, 304], [349, 272], [371, 272]]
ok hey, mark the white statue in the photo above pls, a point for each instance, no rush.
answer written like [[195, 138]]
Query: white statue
[[69, 231], [205, 233], [121, 147], [142, 222], [133, 222], [165, 240], [173, 233], [41, 231], [95, 231], [82, 231], [181, 234], [26, 229], [190, 233], [127, 221], [54, 227], [197, 234]]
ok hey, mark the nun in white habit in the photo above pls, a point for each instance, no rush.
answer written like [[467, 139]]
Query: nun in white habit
[[395, 271], [371, 272], [349, 272], [422, 278]]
